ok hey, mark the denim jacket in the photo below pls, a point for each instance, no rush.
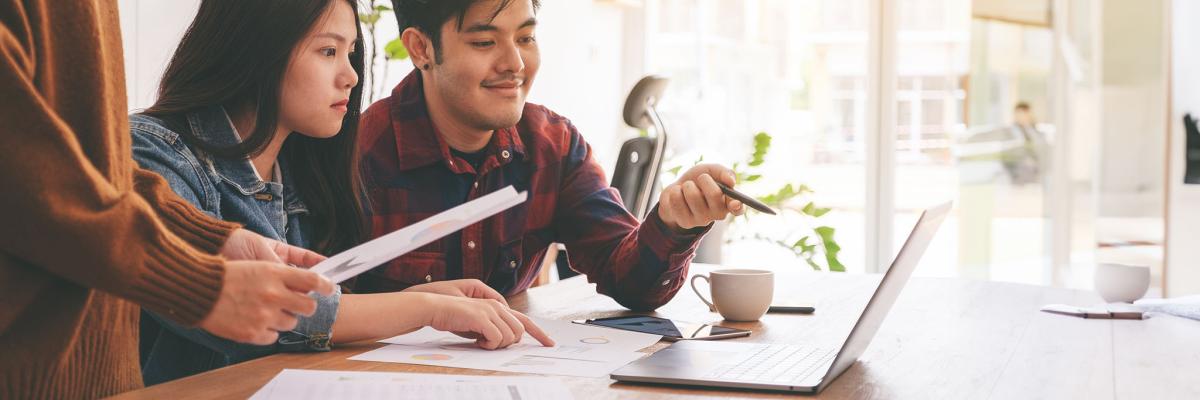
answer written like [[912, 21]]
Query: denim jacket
[[230, 190]]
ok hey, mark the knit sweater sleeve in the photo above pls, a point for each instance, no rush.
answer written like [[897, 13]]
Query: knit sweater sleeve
[[64, 214], [198, 229]]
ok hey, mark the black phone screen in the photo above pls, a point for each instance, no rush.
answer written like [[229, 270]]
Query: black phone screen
[[665, 327]]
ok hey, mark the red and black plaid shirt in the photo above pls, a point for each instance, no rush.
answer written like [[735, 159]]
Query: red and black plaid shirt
[[411, 174]]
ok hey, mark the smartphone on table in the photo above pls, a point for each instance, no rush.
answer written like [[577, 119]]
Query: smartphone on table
[[791, 306], [670, 330]]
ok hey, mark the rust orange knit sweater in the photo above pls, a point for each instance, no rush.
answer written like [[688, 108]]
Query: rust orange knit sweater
[[85, 236]]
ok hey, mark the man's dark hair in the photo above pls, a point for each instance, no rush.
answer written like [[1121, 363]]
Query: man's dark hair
[[428, 16]]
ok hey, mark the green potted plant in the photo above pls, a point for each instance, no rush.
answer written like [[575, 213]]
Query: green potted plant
[[393, 50], [814, 242]]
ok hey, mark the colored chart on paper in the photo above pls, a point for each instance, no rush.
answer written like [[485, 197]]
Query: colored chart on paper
[[581, 350], [594, 340], [432, 357], [437, 230]]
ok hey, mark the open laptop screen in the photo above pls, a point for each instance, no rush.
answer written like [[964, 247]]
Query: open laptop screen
[[887, 292]]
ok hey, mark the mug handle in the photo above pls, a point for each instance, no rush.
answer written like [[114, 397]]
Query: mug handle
[[711, 307]]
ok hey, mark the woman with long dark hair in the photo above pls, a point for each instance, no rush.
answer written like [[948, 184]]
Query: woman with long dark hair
[[255, 123]]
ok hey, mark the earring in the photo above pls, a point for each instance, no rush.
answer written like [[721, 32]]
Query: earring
[[425, 67]]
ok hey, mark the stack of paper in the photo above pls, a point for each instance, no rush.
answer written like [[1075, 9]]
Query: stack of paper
[[293, 384], [580, 350], [1186, 306]]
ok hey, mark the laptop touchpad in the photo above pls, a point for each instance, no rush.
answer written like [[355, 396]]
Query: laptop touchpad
[[692, 357]]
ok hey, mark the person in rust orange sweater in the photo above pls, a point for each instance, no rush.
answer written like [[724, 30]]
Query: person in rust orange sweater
[[86, 237]]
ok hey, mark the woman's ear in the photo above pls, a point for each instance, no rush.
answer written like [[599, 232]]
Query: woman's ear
[[420, 48]]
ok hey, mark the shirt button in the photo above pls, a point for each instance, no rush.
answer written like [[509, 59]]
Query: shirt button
[[428, 278], [504, 153], [477, 185], [512, 264], [666, 282], [471, 244]]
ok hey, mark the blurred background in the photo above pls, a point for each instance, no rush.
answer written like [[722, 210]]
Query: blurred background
[[1054, 126]]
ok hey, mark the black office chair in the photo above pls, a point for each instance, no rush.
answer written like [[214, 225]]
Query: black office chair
[[640, 161]]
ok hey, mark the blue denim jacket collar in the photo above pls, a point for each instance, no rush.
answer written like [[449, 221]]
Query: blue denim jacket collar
[[213, 126]]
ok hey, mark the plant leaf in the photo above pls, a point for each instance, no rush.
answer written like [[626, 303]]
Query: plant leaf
[[762, 144], [831, 248], [753, 178], [368, 18], [806, 247], [675, 170], [787, 192], [395, 50], [810, 262]]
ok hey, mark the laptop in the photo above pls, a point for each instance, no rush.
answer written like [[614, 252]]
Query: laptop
[[786, 367]]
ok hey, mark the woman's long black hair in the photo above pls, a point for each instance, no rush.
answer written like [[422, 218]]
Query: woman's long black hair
[[235, 54]]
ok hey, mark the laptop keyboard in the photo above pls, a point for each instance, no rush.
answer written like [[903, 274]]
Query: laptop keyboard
[[775, 363]]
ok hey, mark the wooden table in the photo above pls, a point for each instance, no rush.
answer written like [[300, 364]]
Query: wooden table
[[944, 339]]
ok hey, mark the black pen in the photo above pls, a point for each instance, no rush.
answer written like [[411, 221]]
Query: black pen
[[747, 200]]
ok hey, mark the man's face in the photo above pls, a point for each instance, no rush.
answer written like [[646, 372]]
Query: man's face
[[488, 66], [1022, 117]]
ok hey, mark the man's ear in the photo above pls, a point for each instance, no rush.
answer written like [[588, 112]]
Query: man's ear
[[420, 48]]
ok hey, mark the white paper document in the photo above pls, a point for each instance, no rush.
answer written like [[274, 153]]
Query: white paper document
[[580, 350], [295, 384], [362, 258]]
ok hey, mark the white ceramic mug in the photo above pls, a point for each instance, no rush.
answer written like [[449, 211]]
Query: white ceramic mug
[[738, 294], [1118, 283]]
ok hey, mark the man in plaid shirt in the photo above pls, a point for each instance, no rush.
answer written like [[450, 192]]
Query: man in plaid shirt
[[458, 128]]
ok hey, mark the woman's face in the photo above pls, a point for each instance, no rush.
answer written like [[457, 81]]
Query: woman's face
[[319, 77]]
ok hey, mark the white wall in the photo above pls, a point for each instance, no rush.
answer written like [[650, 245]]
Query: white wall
[[1182, 270], [1132, 122], [150, 30], [583, 68]]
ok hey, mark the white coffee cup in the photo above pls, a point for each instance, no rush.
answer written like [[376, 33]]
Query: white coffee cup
[[1118, 283], [738, 294]]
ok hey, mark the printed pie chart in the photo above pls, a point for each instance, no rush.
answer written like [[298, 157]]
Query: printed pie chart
[[435, 231], [432, 357]]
